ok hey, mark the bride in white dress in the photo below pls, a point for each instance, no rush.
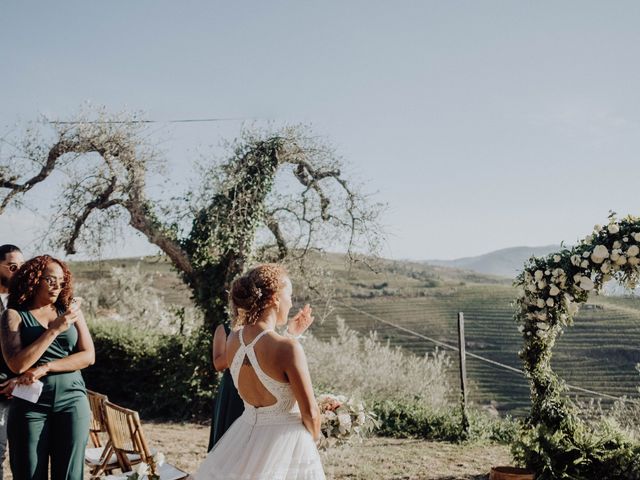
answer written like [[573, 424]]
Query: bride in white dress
[[274, 438]]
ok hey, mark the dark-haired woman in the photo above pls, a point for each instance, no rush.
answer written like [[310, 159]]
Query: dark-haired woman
[[44, 337], [273, 439]]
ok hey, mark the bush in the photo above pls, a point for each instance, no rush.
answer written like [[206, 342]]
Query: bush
[[364, 367], [414, 420], [152, 372]]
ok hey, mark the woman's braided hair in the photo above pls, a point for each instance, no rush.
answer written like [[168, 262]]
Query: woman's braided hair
[[253, 292]]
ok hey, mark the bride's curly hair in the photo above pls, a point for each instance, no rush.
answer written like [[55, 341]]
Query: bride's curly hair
[[253, 292], [24, 283]]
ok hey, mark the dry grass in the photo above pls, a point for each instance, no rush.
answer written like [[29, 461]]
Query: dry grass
[[185, 446]]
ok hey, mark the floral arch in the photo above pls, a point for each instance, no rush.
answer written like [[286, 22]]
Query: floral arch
[[555, 441]]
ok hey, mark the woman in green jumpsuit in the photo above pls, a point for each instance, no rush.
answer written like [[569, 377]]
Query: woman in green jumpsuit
[[45, 337]]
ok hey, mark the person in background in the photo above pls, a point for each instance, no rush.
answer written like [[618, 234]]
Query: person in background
[[11, 260], [44, 336]]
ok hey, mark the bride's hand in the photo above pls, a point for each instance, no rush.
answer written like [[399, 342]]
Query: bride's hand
[[301, 322]]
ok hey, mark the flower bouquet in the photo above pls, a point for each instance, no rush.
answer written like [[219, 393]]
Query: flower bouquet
[[343, 419], [150, 470]]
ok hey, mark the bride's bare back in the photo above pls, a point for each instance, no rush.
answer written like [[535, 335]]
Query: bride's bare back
[[271, 353]]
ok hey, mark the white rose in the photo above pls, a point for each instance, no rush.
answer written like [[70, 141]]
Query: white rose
[[597, 228], [553, 291], [613, 228], [521, 328], [633, 251], [584, 264], [617, 244], [575, 260], [606, 267], [634, 261], [636, 236], [586, 283], [550, 302], [540, 303], [585, 254], [542, 284], [542, 326], [588, 240], [538, 275], [573, 308], [142, 469], [614, 256], [622, 260], [599, 254], [557, 258]]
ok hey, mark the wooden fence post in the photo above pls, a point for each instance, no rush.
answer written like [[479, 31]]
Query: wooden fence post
[[463, 375]]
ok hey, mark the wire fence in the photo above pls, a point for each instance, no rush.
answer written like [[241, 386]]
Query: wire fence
[[409, 335]]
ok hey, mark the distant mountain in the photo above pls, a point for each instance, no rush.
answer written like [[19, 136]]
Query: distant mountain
[[506, 262]]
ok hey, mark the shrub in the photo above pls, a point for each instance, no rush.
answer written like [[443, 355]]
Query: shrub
[[365, 367], [414, 420], [149, 371]]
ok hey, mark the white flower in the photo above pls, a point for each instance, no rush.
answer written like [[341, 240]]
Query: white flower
[[599, 254], [586, 283], [634, 261], [636, 236], [542, 284], [606, 267], [550, 302], [575, 260], [617, 244], [613, 228], [588, 240], [625, 239], [633, 251], [521, 328], [573, 308], [344, 419], [538, 275], [597, 228], [541, 334], [614, 256], [553, 291], [540, 303], [542, 326], [586, 254], [585, 264], [557, 258], [159, 458], [622, 260], [142, 469]]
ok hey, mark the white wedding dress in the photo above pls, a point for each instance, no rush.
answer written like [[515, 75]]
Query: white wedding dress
[[265, 443]]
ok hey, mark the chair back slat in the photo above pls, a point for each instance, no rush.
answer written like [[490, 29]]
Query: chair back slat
[[97, 423], [127, 437]]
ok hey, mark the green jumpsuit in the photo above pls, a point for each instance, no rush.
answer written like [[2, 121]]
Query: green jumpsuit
[[57, 426]]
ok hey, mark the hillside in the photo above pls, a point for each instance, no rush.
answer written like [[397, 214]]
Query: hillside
[[506, 262], [600, 352]]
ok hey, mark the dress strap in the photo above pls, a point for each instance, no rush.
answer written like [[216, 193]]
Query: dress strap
[[240, 336], [258, 337]]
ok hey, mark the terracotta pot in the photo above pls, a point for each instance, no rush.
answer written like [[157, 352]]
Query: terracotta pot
[[510, 473]]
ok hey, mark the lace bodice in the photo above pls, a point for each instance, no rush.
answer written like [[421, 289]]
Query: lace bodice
[[285, 401]]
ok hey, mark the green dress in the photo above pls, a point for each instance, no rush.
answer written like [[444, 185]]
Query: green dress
[[227, 406], [57, 426]]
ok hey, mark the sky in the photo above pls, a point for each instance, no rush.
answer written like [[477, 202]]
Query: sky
[[480, 124]]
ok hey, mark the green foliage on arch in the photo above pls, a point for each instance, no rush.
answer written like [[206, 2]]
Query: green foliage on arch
[[555, 441]]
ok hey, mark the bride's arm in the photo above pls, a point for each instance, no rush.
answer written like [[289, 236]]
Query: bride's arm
[[297, 372]]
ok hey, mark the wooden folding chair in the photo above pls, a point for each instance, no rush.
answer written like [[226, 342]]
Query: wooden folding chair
[[100, 458], [129, 443]]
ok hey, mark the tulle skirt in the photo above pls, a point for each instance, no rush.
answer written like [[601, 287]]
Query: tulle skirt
[[274, 446]]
